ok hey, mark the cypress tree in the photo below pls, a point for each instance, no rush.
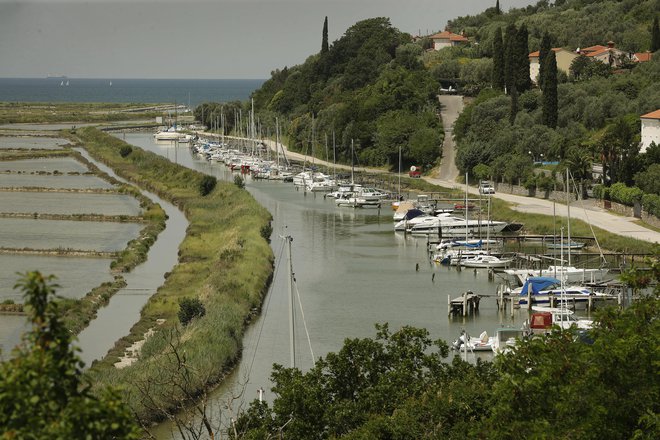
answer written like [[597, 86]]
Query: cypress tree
[[543, 51], [523, 82], [498, 11], [550, 105], [498, 61], [324, 41], [509, 57], [655, 35]]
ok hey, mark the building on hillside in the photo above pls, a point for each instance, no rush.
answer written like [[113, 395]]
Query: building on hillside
[[606, 54], [650, 129], [447, 39], [643, 57], [564, 59]]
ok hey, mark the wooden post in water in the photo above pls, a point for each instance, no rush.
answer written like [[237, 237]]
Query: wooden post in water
[[465, 304], [448, 305]]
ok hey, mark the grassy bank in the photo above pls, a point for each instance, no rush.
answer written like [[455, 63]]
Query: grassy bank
[[224, 261], [43, 113]]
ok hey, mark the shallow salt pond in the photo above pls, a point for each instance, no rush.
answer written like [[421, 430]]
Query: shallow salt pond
[[58, 181], [11, 329], [49, 165], [31, 143], [64, 234], [68, 203], [75, 275]]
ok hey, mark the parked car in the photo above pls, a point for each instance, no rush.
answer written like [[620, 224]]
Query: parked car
[[415, 172], [486, 187]]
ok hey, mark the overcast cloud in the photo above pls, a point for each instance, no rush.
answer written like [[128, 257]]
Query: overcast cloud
[[193, 39]]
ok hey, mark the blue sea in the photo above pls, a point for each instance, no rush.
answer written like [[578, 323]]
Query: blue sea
[[182, 91]]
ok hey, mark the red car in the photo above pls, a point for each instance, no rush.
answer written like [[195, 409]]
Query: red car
[[415, 172]]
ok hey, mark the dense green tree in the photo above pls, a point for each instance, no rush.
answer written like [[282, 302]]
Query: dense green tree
[[550, 104], [498, 11], [510, 39], [546, 47], [43, 393], [522, 79], [324, 38], [655, 35], [498, 61], [649, 180]]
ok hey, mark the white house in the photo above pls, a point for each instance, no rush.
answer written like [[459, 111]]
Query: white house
[[564, 59], [447, 39], [650, 129]]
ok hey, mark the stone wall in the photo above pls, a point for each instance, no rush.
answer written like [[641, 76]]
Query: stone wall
[[629, 211], [558, 196]]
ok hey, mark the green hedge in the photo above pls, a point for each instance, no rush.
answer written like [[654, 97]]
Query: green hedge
[[620, 193]]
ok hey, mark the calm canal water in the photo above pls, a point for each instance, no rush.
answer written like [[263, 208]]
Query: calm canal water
[[116, 319], [352, 271]]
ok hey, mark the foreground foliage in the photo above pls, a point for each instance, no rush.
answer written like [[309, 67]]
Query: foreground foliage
[[397, 386], [42, 390]]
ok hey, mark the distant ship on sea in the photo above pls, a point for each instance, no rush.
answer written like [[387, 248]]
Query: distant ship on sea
[[56, 76]]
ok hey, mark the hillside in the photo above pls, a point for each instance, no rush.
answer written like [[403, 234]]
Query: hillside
[[368, 88]]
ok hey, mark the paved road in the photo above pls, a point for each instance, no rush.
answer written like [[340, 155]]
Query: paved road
[[451, 106]]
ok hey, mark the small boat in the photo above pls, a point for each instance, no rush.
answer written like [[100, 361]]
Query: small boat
[[464, 341], [567, 246], [485, 261], [541, 289], [506, 338], [544, 318]]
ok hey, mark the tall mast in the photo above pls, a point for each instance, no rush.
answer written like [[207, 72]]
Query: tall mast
[[466, 208], [352, 162], [292, 336], [334, 157], [568, 222], [399, 192]]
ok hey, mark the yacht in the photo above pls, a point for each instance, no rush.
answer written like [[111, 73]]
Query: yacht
[[569, 274]]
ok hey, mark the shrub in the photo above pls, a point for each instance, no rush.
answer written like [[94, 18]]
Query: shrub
[[239, 182], [620, 193], [207, 184], [266, 231], [651, 204], [190, 308], [125, 150]]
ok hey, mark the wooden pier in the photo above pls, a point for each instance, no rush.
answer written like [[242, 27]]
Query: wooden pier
[[460, 306]]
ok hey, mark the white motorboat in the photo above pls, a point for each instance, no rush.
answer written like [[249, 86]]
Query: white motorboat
[[448, 225], [483, 343], [569, 274], [541, 289], [485, 261], [506, 338]]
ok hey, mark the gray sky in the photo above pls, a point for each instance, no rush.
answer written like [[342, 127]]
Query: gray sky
[[193, 38]]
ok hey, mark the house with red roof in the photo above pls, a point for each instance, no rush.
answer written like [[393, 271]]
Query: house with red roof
[[643, 57], [650, 129], [564, 59], [609, 54], [447, 39]]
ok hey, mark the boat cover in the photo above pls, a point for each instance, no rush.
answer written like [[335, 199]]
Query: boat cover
[[412, 213], [537, 284]]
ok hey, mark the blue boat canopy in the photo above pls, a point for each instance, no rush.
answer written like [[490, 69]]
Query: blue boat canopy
[[537, 284], [412, 213]]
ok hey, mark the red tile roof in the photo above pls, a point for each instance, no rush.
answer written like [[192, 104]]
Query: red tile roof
[[652, 115], [643, 56], [537, 53], [596, 48], [446, 35]]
